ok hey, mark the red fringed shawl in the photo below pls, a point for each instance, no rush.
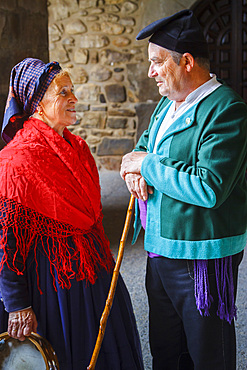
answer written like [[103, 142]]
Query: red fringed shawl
[[49, 191]]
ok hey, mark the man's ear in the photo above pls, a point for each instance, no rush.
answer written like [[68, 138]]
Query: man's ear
[[189, 61]]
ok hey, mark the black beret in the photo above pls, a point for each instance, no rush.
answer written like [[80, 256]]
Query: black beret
[[180, 32]]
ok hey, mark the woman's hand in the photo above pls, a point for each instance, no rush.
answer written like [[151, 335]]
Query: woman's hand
[[22, 323]]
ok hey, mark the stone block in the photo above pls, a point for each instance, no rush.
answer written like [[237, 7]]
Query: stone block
[[94, 57], [94, 41], [128, 21], [111, 57], [75, 27], [113, 146], [141, 85], [78, 75], [82, 13], [96, 11], [94, 27], [111, 28], [143, 112], [122, 112], [115, 93], [117, 122], [68, 41], [128, 29], [92, 18], [88, 4], [110, 17], [129, 7], [55, 32], [99, 108], [82, 107], [93, 120], [60, 54], [102, 132], [119, 133], [121, 41], [81, 56], [92, 140], [100, 73], [112, 8], [118, 78], [59, 11], [88, 92]]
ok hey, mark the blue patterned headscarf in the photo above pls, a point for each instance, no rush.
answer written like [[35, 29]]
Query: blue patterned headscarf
[[29, 81]]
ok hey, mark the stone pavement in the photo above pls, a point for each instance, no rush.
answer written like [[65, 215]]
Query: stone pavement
[[115, 198]]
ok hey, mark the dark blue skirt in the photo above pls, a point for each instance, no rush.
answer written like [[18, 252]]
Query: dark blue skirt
[[69, 320]]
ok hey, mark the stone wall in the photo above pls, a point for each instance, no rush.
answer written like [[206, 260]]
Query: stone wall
[[23, 33], [95, 41]]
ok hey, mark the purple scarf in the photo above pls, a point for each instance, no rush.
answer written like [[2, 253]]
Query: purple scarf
[[224, 278]]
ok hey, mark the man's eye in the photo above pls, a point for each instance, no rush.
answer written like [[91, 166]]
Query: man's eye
[[157, 62]]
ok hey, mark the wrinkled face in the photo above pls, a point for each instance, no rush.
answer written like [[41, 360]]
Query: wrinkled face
[[58, 103], [168, 75]]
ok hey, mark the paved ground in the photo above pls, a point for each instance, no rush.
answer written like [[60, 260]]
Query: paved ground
[[115, 198]]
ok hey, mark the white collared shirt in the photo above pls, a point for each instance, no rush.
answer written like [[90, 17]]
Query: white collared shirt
[[193, 98]]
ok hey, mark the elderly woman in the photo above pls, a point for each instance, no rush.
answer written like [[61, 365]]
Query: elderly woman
[[56, 262]]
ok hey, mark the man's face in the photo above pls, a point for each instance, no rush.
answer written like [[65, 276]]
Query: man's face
[[169, 76]]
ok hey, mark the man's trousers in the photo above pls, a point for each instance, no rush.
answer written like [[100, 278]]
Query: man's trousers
[[180, 338]]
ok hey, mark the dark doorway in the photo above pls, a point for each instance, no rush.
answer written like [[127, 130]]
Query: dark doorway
[[225, 27]]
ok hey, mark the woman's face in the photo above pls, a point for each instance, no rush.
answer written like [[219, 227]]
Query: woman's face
[[58, 104]]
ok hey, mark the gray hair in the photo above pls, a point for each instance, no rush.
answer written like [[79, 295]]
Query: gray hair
[[175, 56], [202, 62]]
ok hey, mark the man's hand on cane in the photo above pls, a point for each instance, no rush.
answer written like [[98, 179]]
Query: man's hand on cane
[[131, 173]]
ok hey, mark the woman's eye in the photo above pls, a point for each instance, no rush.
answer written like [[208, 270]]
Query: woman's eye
[[63, 92]]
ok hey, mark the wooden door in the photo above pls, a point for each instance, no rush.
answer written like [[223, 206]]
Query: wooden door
[[225, 27]]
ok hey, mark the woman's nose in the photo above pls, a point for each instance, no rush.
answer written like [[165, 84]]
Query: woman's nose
[[73, 97]]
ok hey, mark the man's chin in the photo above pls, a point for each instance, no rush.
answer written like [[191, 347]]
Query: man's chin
[[162, 91]]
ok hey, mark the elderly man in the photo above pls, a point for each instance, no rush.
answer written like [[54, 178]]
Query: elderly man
[[188, 174]]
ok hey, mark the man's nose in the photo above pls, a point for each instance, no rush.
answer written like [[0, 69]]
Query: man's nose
[[152, 72]]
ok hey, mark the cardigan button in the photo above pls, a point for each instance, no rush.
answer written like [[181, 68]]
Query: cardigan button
[[188, 120]]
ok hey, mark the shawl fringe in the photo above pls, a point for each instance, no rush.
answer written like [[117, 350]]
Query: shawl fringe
[[224, 280], [33, 230]]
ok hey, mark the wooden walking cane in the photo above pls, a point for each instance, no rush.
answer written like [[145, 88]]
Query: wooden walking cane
[[109, 301]]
